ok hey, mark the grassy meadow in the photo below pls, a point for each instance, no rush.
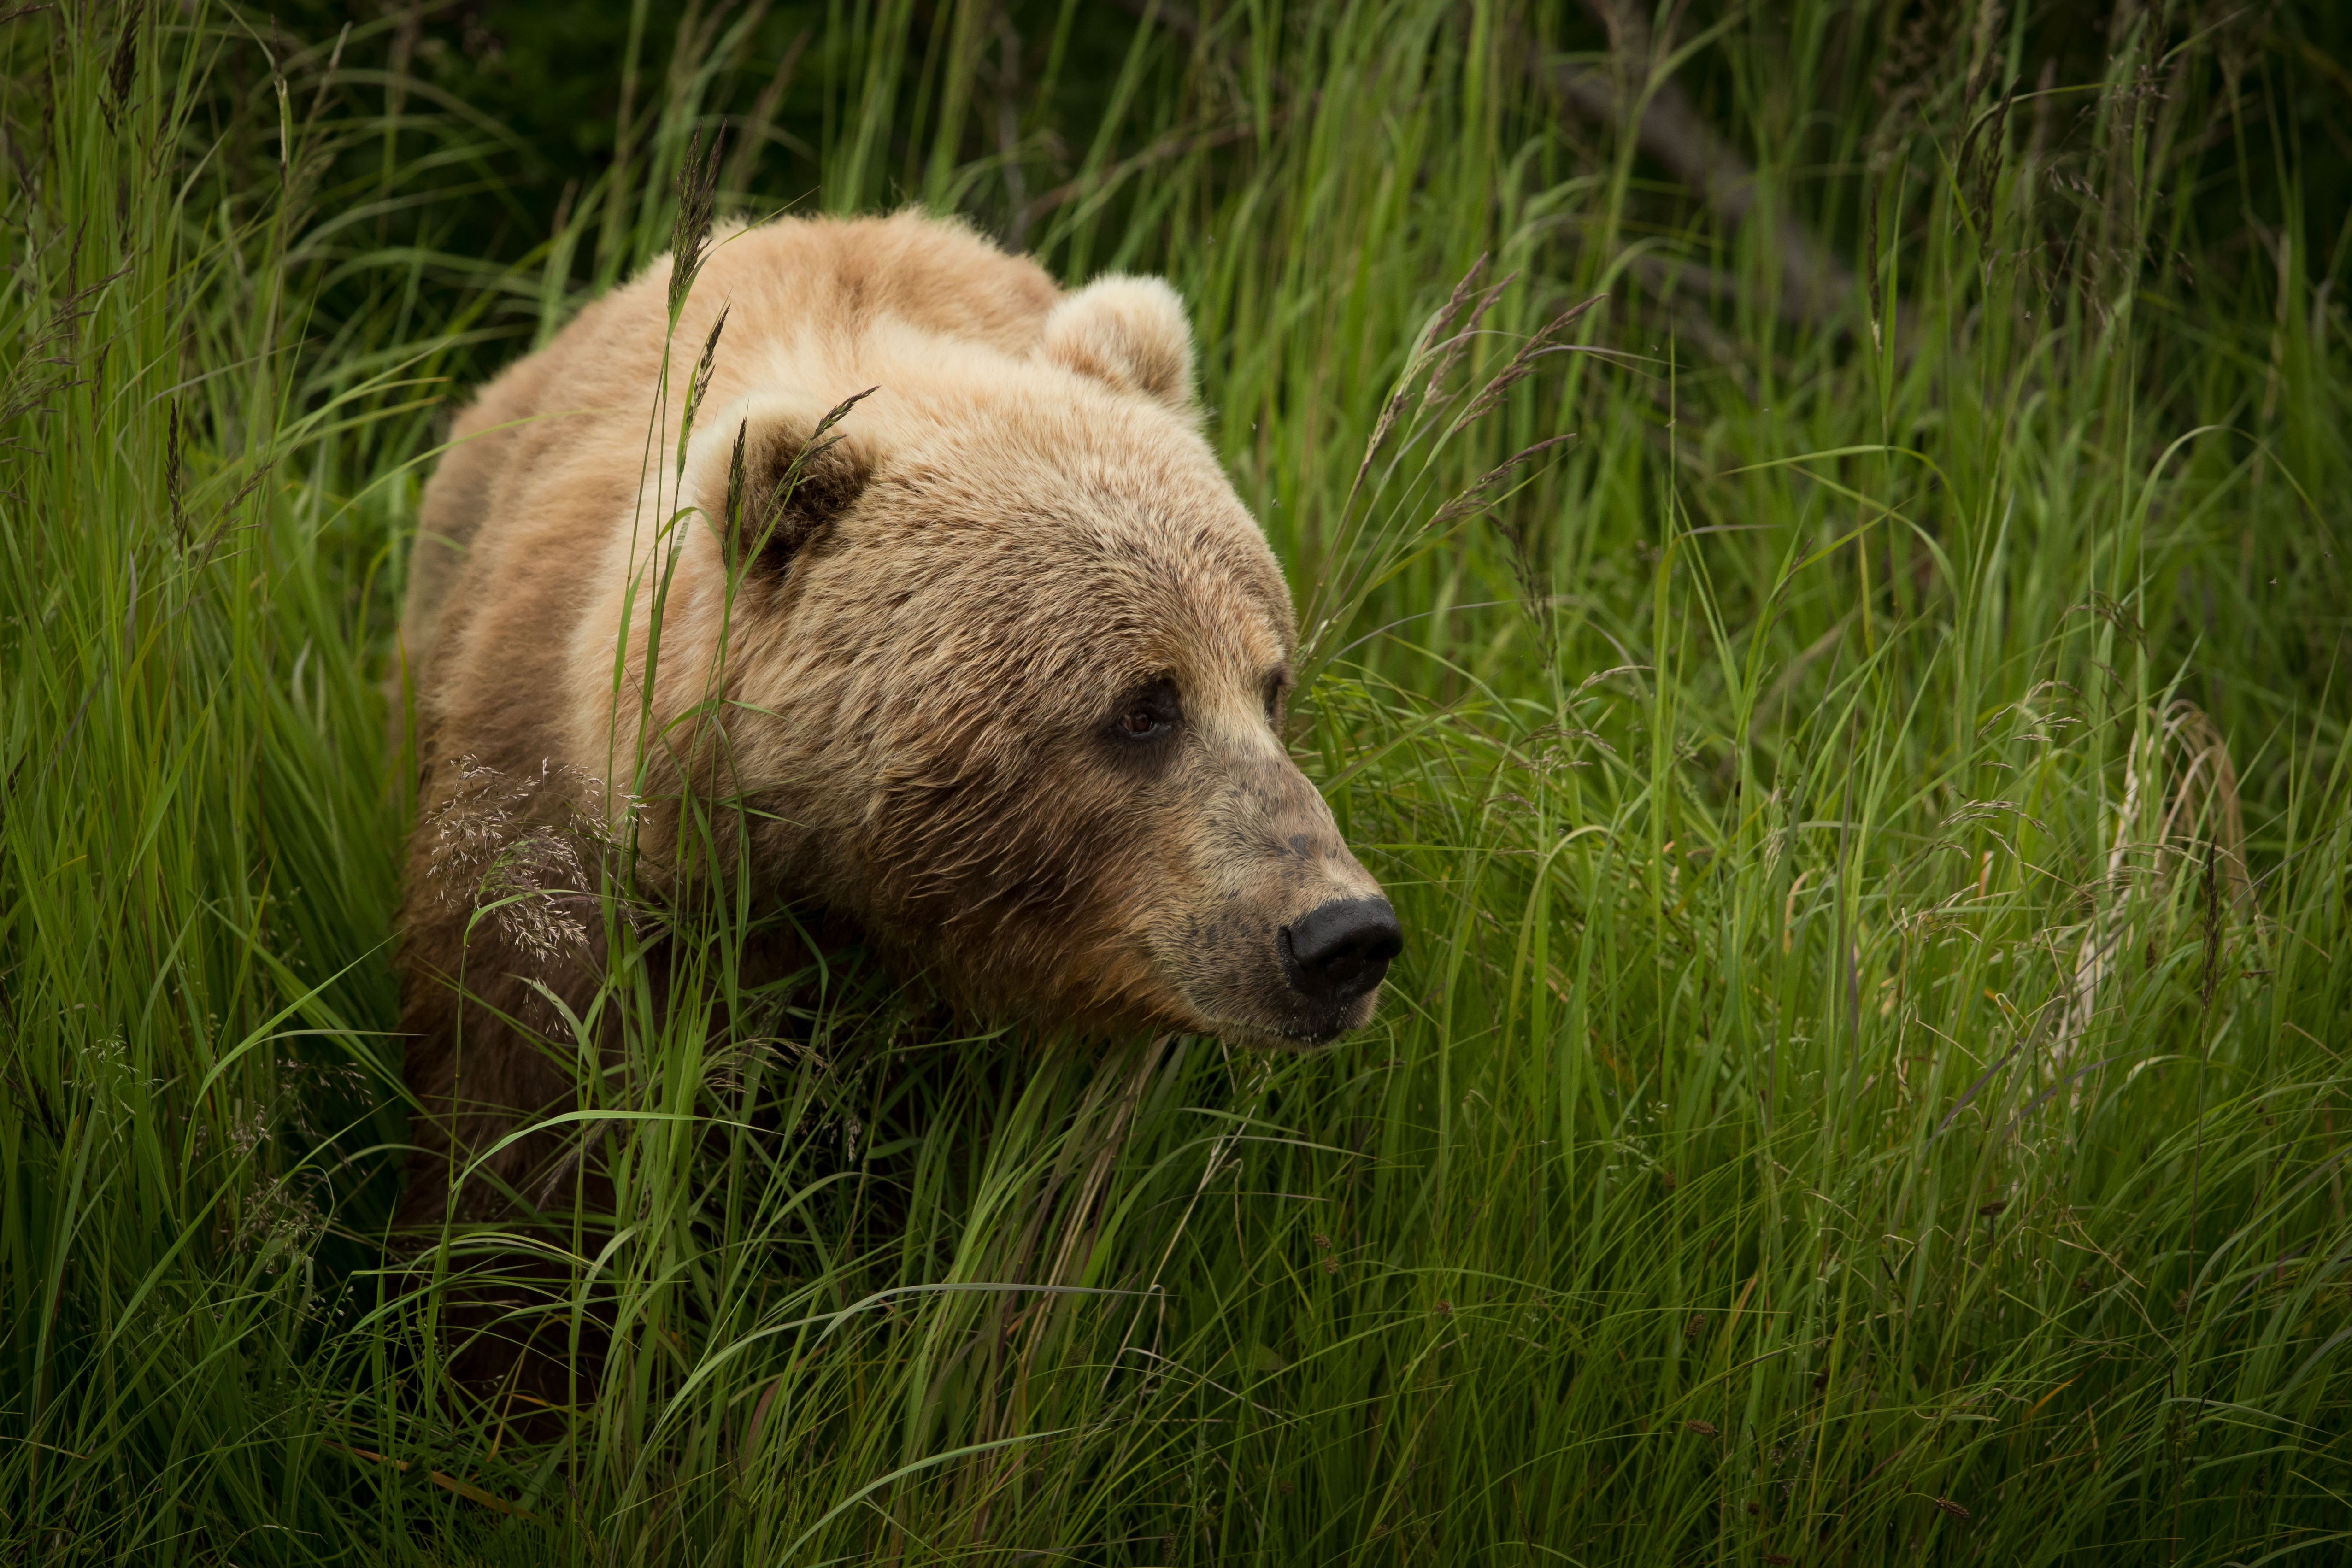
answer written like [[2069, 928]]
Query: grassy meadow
[[1870, 809]]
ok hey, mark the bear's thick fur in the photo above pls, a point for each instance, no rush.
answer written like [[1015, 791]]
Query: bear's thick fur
[[990, 670]]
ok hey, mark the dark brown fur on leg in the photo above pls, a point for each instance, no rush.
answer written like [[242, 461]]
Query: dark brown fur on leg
[[504, 1301], [501, 924], [503, 944]]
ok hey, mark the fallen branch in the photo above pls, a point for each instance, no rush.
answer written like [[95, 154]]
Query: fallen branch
[[445, 1481]]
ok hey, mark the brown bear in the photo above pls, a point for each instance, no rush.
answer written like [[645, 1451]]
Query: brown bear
[[990, 669]]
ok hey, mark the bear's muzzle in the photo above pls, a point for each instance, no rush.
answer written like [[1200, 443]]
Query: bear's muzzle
[[1338, 955]]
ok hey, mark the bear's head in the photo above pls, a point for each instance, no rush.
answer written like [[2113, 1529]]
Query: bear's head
[[1000, 667]]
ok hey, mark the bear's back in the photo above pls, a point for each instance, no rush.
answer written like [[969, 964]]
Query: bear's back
[[937, 277], [556, 447]]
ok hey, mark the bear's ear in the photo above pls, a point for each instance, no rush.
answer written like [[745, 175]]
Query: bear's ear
[[786, 480], [1129, 332]]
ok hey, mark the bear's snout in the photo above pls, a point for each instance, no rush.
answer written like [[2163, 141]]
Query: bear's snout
[[1337, 953], [1282, 939]]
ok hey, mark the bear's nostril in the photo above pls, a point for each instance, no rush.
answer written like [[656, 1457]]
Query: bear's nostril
[[1340, 950]]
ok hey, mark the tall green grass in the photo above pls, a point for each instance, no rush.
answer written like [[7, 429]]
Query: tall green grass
[[1869, 814]]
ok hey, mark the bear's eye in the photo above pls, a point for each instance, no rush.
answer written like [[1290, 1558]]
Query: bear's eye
[[1146, 713]]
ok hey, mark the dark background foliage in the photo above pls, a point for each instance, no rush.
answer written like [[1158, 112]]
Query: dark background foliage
[[555, 90]]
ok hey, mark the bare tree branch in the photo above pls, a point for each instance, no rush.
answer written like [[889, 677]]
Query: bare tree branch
[[1814, 284]]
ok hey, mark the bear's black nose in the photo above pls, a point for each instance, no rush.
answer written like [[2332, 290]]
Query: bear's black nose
[[1340, 951]]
